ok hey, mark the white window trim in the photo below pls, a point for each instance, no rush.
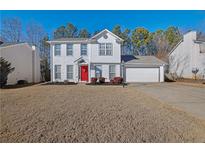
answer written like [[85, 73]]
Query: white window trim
[[112, 72], [69, 72], [55, 72], [81, 49], [67, 49], [101, 70], [55, 50], [105, 49], [100, 49]]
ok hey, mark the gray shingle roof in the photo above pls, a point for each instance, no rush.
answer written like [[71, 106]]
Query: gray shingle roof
[[142, 60], [6, 44], [10, 43], [91, 39], [71, 39]]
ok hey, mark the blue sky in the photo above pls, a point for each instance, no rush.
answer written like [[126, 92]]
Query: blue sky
[[95, 20]]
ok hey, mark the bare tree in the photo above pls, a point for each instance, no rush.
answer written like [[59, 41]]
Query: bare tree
[[11, 30], [161, 45], [38, 37], [45, 58], [35, 33]]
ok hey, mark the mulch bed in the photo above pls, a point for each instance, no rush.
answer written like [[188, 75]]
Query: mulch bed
[[17, 86], [60, 83], [198, 81], [105, 84]]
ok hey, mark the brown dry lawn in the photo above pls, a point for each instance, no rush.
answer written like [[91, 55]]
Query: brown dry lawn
[[83, 113]]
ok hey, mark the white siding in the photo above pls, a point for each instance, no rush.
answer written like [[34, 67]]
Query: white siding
[[198, 60], [187, 56], [115, 58], [20, 57], [92, 57], [105, 71], [65, 60], [161, 71], [37, 72]]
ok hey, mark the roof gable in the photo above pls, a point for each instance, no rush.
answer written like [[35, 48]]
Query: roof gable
[[200, 38], [175, 47], [106, 31], [85, 40]]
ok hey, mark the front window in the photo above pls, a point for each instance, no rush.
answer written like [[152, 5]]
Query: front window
[[83, 49], [69, 71], [57, 50], [57, 71], [111, 71], [98, 71], [69, 50], [105, 49]]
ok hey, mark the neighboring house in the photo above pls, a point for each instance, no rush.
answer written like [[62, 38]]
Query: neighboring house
[[188, 55], [25, 59], [80, 59]]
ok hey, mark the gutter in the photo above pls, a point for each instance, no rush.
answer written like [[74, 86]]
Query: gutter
[[199, 41], [175, 47], [85, 41]]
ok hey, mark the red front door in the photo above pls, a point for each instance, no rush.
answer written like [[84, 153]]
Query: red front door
[[84, 73]]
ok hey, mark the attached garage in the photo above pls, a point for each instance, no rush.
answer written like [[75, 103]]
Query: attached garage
[[143, 69], [142, 75]]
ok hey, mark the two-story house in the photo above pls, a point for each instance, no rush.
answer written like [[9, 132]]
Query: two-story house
[[80, 59], [187, 56]]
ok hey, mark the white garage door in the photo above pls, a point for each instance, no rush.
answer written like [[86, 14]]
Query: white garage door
[[142, 74]]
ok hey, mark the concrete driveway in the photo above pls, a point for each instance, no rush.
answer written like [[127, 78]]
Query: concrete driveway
[[186, 97]]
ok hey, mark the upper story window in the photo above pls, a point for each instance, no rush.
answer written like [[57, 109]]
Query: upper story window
[[105, 49], [109, 49], [57, 50], [69, 50], [102, 49], [83, 49]]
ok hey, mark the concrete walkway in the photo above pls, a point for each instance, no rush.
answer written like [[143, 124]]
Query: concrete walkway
[[186, 97]]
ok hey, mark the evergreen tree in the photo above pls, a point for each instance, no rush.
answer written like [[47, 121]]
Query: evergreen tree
[[5, 70]]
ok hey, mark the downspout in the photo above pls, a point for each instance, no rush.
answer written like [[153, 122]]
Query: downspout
[[33, 63], [123, 71]]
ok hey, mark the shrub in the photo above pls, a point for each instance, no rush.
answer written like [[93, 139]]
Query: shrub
[[117, 80], [101, 79], [66, 81], [94, 80], [195, 71], [22, 82], [5, 69]]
